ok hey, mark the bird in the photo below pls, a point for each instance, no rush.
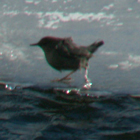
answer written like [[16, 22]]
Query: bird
[[63, 54]]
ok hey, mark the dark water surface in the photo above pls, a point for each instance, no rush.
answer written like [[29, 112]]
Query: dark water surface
[[40, 113], [34, 108]]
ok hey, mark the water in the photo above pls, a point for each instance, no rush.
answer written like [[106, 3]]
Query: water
[[39, 113], [32, 107]]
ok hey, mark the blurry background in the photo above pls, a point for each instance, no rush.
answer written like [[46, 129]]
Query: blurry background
[[117, 22]]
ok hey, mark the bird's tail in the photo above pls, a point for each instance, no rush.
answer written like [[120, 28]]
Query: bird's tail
[[94, 46]]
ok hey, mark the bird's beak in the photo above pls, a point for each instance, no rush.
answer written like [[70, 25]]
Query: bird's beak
[[35, 44]]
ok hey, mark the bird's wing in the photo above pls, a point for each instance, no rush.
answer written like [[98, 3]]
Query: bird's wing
[[68, 48]]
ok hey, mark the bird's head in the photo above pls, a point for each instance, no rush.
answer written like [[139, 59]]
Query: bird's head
[[47, 41]]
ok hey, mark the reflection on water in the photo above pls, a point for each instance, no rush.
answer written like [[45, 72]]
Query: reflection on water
[[63, 12], [53, 20], [130, 62]]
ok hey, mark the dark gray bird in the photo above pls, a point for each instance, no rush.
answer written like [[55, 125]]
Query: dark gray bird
[[64, 54]]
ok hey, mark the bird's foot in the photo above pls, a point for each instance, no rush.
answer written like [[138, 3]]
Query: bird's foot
[[87, 85]]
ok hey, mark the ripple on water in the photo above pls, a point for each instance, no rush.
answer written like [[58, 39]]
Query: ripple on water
[[54, 19], [68, 112]]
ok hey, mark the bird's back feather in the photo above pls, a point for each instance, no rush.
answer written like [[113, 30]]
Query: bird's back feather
[[67, 48]]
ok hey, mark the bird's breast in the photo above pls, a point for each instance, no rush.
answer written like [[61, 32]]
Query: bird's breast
[[60, 62]]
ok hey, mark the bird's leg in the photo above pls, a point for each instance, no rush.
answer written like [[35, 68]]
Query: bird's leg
[[67, 76], [86, 75], [64, 78], [88, 83]]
